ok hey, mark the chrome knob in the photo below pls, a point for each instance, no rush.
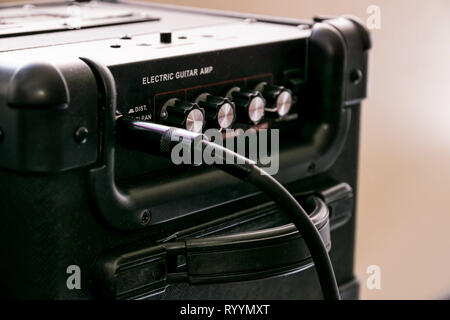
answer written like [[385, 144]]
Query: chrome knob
[[250, 105], [220, 112], [279, 99], [186, 115]]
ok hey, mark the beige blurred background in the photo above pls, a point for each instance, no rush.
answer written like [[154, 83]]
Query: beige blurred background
[[404, 185]]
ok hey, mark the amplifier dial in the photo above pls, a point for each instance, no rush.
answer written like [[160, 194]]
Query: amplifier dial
[[186, 115], [279, 99], [220, 112], [250, 105]]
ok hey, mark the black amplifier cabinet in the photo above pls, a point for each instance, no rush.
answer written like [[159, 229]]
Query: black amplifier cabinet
[[74, 203]]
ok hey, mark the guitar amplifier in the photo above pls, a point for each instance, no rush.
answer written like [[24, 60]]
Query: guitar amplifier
[[84, 216]]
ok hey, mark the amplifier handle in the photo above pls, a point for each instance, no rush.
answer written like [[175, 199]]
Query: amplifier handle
[[246, 256]]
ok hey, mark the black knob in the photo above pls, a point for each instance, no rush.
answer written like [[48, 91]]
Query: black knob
[[219, 112], [249, 105], [186, 115], [279, 100], [165, 37]]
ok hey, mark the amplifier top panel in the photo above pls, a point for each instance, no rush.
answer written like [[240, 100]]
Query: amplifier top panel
[[128, 34]]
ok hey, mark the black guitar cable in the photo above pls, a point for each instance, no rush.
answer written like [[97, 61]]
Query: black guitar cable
[[159, 139]]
